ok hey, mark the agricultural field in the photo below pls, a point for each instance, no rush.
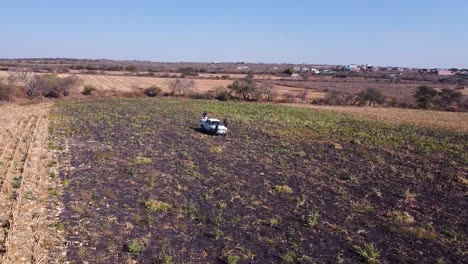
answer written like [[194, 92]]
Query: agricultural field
[[28, 204], [457, 121], [127, 84], [141, 183]]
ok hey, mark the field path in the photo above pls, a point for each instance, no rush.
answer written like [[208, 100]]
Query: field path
[[26, 229]]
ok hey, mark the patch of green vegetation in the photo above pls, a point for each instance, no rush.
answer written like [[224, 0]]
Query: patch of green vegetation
[[368, 253], [66, 182], [52, 175], [16, 182], [402, 217], [274, 221], [237, 254], [139, 161], [283, 189], [52, 146], [134, 247], [313, 219], [289, 257], [60, 226], [156, 206]]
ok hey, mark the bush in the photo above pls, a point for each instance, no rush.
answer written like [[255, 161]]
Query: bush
[[245, 88], [289, 71], [449, 99], [371, 96], [5, 92], [339, 98], [152, 91], [53, 86], [88, 90], [223, 96], [425, 96]]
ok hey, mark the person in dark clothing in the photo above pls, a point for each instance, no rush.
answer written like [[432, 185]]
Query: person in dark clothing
[[216, 128], [225, 122]]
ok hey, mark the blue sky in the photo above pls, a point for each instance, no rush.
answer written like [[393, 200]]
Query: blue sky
[[393, 33]]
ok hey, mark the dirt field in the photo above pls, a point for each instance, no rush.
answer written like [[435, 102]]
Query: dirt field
[[28, 209], [287, 185]]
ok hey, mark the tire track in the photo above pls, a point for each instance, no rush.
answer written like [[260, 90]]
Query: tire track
[[16, 129], [8, 196], [15, 206]]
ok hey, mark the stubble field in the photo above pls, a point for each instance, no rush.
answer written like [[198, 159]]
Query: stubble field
[[27, 198]]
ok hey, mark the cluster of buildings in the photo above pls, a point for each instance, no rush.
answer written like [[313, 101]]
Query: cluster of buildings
[[445, 72]]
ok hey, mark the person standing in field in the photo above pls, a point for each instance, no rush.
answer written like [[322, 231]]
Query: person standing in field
[[203, 118], [225, 122]]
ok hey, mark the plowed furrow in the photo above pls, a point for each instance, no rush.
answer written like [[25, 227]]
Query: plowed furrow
[[12, 181], [17, 205], [11, 137]]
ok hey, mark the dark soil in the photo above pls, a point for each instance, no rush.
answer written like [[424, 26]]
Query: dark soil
[[224, 199]]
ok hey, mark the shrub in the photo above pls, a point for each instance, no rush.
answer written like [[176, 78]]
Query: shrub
[[152, 91], [372, 96], [88, 90], [289, 71], [134, 247], [53, 86], [339, 98], [5, 92], [222, 94], [244, 88], [368, 253], [425, 96], [180, 86], [449, 99]]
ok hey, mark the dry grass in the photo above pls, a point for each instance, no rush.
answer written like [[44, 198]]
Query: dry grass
[[119, 84], [424, 118], [27, 205]]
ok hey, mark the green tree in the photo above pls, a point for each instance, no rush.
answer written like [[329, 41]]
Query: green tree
[[425, 96], [289, 71], [372, 96], [245, 88]]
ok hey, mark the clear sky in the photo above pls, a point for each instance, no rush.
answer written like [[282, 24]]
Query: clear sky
[[411, 33]]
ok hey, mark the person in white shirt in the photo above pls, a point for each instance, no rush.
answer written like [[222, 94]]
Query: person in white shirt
[[203, 118]]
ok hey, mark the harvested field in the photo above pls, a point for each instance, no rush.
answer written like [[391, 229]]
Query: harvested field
[[425, 118], [27, 234], [118, 84], [287, 184]]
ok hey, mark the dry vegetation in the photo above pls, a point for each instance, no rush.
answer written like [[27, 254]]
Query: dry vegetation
[[28, 205], [128, 84]]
